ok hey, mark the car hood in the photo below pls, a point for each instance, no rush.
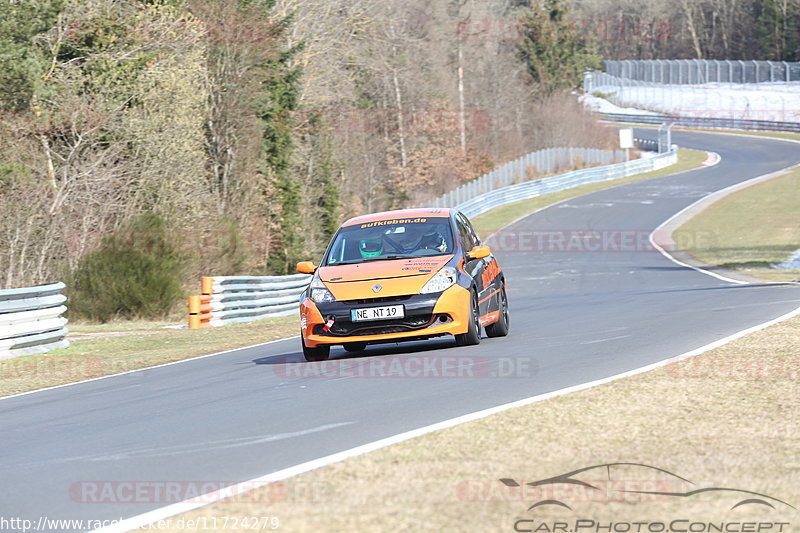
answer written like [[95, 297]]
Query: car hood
[[375, 270], [381, 279]]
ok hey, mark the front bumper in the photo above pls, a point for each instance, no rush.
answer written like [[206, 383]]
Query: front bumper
[[426, 315]]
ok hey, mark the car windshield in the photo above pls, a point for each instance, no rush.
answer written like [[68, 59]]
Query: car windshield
[[391, 239]]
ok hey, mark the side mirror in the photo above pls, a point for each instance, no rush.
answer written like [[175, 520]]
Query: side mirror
[[479, 252], [306, 267]]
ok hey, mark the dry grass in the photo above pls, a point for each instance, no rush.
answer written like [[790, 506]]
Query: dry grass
[[751, 229], [728, 418], [100, 350]]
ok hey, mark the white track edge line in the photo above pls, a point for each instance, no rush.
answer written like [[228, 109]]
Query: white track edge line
[[518, 219], [715, 159], [721, 193], [162, 513], [98, 378]]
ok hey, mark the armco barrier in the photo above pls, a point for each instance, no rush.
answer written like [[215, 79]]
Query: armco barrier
[[547, 161], [704, 122], [31, 320], [487, 201], [229, 299]]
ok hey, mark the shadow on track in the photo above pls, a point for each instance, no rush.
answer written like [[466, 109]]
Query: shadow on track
[[377, 350]]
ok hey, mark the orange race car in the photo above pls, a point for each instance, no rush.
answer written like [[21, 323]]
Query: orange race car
[[402, 276]]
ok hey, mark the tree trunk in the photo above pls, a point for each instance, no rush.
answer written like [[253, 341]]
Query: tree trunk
[[462, 123], [692, 30], [400, 120]]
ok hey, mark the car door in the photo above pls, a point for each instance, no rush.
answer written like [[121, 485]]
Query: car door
[[488, 269], [477, 268]]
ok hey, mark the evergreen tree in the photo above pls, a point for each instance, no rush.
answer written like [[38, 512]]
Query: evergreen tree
[[323, 189], [777, 32], [280, 101], [21, 67], [328, 202], [551, 47]]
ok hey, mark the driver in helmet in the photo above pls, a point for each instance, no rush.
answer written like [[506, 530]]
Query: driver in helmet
[[370, 246]]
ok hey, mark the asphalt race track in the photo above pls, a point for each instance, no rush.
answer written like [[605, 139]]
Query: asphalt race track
[[576, 316]]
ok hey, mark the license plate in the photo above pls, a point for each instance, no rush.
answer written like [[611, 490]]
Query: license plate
[[377, 313]]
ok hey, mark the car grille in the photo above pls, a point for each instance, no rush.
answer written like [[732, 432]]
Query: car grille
[[370, 301], [346, 328]]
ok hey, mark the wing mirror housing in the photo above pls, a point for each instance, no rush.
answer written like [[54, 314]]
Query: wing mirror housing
[[306, 267], [479, 252]]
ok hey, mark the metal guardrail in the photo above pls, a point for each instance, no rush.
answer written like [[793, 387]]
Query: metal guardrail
[[545, 161], [31, 320], [704, 122], [694, 71], [230, 299], [523, 191]]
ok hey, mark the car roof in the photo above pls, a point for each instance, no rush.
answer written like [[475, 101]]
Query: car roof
[[400, 215]]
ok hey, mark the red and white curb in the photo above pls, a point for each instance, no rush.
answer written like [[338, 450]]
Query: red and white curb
[[712, 159]]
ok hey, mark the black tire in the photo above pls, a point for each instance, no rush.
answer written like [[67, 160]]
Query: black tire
[[320, 353], [500, 328], [473, 334], [355, 346]]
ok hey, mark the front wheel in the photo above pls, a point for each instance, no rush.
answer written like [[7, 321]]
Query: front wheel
[[320, 353], [500, 328], [473, 334]]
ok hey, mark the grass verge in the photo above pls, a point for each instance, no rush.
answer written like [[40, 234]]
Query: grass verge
[[727, 418], [751, 229], [495, 219], [100, 350]]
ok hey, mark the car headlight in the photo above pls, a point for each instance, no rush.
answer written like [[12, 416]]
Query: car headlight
[[440, 281], [322, 296], [319, 293]]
